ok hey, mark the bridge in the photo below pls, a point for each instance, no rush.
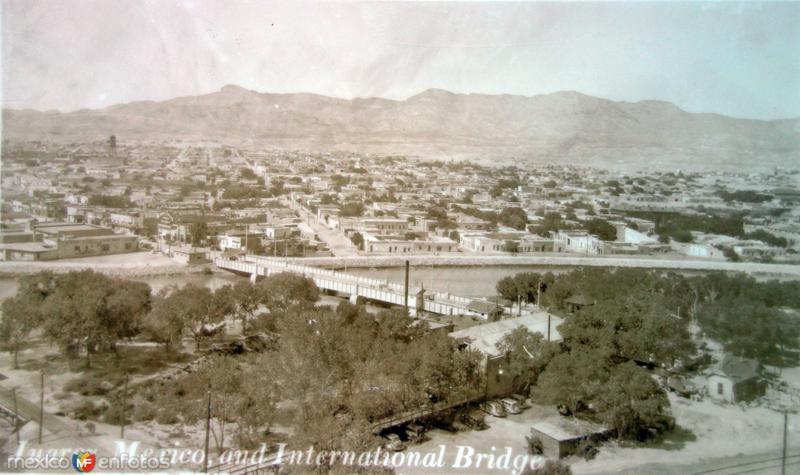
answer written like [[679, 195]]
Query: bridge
[[355, 286]]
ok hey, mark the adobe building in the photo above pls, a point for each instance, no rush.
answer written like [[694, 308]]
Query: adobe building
[[50, 241]]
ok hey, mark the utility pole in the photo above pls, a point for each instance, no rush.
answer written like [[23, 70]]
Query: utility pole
[[405, 300], [16, 414], [208, 428], [539, 295], [785, 426], [548, 327], [41, 408], [124, 403], [246, 229]]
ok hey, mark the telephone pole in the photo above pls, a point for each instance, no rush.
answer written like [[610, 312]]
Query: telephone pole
[[208, 428], [124, 403], [785, 427], [41, 408], [16, 414], [405, 300]]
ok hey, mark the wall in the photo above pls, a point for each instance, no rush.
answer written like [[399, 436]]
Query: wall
[[713, 389], [100, 246]]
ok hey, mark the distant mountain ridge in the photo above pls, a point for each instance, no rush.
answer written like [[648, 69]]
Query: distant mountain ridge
[[560, 127]]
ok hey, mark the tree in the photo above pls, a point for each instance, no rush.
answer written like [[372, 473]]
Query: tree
[[572, 379], [635, 327], [164, 324], [557, 292], [507, 288], [748, 327], [602, 229], [632, 403], [22, 312], [276, 187], [281, 291], [526, 356], [527, 284], [198, 231], [16, 324], [353, 208], [110, 201], [357, 239], [191, 308], [730, 254], [551, 222], [511, 246], [514, 218], [354, 369], [255, 246], [245, 298], [243, 394], [91, 311], [202, 308], [247, 173]]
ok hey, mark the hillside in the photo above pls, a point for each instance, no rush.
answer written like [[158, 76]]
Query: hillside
[[561, 127]]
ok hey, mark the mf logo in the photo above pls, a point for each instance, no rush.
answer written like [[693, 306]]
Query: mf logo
[[83, 461]]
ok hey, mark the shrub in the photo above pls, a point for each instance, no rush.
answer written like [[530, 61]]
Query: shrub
[[92, 385], [167, 417], [535, 445], [85, 409], [587, 449], [114, 415], [144, 411]]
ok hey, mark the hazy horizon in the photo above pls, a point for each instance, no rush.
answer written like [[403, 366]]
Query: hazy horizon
[[378, 97], [733, 59]]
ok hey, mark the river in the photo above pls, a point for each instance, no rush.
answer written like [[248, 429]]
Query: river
[[463, 281], [472, 281]]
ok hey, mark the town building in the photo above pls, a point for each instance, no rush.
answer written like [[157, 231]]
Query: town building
[[50, 241], [400, 245], [736, 380]]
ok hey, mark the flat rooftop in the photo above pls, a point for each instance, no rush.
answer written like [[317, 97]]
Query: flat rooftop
[[66, 227]]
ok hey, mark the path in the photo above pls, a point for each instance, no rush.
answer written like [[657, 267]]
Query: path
[[339, 244]]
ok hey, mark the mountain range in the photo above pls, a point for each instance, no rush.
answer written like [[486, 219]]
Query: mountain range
[[562, 127]]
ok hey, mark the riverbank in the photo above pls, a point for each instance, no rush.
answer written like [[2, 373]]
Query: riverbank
[[135, 264], [649, 262]]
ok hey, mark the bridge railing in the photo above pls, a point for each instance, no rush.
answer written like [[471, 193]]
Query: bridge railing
[[442, 303], [422, 411]]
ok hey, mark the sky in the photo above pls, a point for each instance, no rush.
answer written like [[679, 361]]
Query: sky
[[737, 59]]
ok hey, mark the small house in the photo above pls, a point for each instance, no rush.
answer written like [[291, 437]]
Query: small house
[[560, 436], [736, 380]]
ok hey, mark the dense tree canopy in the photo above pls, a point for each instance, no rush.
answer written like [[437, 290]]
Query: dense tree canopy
[[642, 317], [514, 218], [89, 311], [346, 366]]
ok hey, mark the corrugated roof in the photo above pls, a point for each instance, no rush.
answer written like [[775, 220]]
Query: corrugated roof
[[486, 337]]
